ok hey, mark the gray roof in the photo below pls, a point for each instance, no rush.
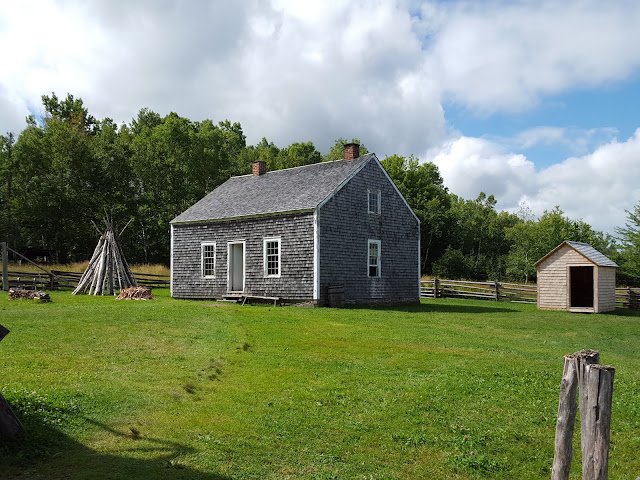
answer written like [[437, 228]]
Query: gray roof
[[592, 254], [585, 250], [290, 190]]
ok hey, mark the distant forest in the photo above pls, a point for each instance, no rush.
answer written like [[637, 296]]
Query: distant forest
[[68, 169]]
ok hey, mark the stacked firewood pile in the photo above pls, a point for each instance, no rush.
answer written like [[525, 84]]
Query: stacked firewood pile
[[108, 270], [136, 293], [18, 293]]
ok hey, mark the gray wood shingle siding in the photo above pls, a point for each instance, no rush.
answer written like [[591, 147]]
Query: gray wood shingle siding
[[320, 215], [345, 228], [296, 247]]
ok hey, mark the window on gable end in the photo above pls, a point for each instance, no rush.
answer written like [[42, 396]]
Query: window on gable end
[[374, 201], [374, 258]]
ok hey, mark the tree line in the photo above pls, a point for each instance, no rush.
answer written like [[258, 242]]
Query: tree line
[[67, 169]]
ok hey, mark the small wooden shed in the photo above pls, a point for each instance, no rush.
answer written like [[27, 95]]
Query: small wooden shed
[[576, 277]]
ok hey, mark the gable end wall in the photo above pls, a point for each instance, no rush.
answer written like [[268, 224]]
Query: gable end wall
[[345, 226]]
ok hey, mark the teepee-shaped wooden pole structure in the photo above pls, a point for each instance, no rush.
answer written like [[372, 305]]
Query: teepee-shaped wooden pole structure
[[108, 270]]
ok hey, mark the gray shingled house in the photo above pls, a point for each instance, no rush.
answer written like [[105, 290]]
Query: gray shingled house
[[298, 233]]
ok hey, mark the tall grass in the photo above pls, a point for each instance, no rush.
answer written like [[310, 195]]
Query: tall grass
[[155, 269]]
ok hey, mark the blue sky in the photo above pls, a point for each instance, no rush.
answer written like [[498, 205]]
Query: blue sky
[[607, 112], [531, 101]]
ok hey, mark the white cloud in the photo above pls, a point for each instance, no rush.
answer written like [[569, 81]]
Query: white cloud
[[597, 187], [578, 141], [316, 70], [503, 56], [471, 165], [540, 135], [313, 70]]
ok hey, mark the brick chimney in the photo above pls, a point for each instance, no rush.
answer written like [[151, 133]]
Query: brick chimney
[[259, 168], [351, 151]]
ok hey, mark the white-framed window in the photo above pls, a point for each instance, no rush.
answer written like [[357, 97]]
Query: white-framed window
[[271, 249], [374, 258], [208, 250], [374, 201]]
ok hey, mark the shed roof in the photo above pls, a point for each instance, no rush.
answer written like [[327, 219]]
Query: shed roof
[[586, 251], [290, 190]]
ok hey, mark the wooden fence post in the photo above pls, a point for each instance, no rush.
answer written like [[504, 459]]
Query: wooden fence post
[[435, 287], [582, 371], [583, 359], [5, 266], [567, 408], [497, 285], [634, 300], [596, 429]]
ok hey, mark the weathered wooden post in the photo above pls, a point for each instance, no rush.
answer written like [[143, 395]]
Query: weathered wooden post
[[583, 359], [596, 429], [436, 284], [10, 426], [634, 300], [582, 371], [567, 408], [497, 285], [5, 266]]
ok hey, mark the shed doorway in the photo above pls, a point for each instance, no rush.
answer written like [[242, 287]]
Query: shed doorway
[[581, 279], [236, 267]]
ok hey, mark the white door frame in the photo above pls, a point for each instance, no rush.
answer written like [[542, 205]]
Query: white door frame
[[230, 246]]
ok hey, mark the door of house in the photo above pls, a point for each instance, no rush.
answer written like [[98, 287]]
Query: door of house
[[236, 267], [581, 279]]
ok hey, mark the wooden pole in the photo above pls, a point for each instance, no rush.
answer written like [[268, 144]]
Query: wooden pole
[[595, 465], [584, 358], [497, 285], [567, 408], [5, 267], [51, 274], [435, 287]]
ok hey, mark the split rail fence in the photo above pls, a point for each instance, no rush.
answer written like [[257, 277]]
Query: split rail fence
[[497, 291], [506, 292], [64, 279]]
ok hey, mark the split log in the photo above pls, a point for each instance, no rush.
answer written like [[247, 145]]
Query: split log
[[136, 293], [599, 378], [567, 408], [583, 359]]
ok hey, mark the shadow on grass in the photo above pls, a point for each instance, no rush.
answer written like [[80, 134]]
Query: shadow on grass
[[49, 453], [436, 307], [623, 312]]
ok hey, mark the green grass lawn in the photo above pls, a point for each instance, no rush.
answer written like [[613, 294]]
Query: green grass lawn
[[195, 390]]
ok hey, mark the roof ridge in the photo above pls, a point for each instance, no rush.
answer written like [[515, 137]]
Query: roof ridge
[[286, 190], [328, 162]]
